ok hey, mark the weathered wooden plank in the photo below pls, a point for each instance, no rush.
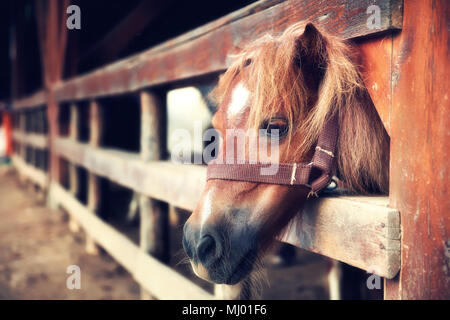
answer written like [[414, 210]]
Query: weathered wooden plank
[[154, 276], [360, 232], [364, 233], [35, 175], [53, 131], [253, 8], [73, 134], [95, 123], [128, 170], [376, 60], [73, 176], [420, 151], [94, 191], [194, 55], [93, 206], [36, 140], [154, 222], [37, 99]]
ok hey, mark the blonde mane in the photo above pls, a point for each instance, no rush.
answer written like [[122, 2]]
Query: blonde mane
[[273, 75]]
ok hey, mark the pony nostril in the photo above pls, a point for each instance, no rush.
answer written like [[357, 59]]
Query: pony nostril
[[207, 250]]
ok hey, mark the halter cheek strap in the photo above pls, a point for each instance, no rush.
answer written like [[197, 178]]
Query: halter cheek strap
[[315, 175]]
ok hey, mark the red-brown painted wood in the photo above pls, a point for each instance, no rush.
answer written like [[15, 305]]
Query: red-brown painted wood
[[50, 17], [376, 60], [420, 151], [35, 100], [206, 50]]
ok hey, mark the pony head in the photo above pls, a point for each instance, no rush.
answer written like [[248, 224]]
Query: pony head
[[285, 88]]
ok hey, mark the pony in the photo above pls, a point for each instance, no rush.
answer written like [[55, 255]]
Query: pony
[[290, 84]]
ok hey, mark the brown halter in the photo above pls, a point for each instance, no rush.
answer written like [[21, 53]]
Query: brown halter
[[315, 175]]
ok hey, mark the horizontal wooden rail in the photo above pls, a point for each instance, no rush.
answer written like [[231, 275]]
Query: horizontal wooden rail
[[160, 180], [36, 140], [193, 54], [38, 99], [35, 175], [361, 231], [157, 278]]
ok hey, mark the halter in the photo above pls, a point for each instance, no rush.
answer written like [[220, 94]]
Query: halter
[[316, 174]]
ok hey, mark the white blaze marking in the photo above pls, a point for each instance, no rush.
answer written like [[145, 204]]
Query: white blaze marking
[[206, 208], [239, 99]]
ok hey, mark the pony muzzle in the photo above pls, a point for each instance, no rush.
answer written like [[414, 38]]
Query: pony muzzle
[[220, 253]]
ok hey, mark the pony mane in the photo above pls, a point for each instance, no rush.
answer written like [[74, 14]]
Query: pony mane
[[278, 85]]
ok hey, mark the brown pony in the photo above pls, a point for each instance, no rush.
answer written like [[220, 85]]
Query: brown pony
[[292, 83]]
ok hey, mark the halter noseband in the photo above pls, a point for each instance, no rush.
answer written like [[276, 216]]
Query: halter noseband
[[315, 175]]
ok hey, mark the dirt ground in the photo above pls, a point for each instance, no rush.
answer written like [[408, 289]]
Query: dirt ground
[[36, 247]]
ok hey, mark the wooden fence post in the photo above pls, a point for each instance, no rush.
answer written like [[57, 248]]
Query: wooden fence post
[[420, 152], [32, 130], [154, 230], [53, 133], [96, 130], [73, 177], [32, 121], [22, 149], [42, 130], [40, 153]]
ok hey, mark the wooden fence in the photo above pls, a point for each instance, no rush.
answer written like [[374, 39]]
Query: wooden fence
[[362, 231]]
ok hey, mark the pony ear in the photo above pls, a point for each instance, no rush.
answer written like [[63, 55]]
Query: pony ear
[[312, 57]]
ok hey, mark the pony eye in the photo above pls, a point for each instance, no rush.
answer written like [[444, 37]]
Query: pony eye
[[247, 62], [276, 127]]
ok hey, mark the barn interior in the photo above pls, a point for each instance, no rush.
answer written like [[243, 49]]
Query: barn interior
[[110, 31], [89, 116]]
